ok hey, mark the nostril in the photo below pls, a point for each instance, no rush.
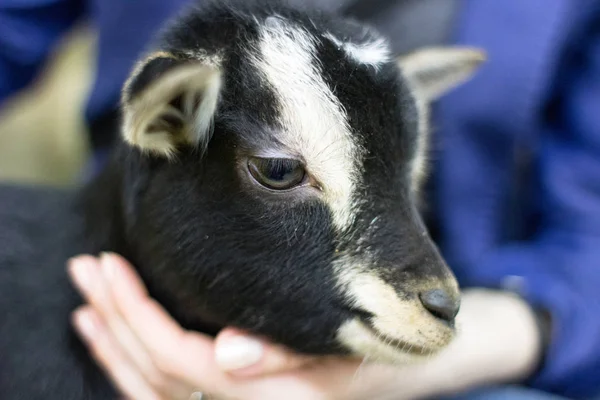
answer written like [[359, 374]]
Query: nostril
[[439, 303]]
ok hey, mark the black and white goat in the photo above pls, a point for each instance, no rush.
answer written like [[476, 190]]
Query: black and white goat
[[267, 180]]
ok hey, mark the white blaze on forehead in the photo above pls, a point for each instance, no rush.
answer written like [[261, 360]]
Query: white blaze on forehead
[[314, 122], [374, 52]]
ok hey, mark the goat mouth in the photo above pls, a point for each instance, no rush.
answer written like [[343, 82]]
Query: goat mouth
[[398, 344]]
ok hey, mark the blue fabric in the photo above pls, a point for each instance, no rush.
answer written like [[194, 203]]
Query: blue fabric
[[518, 172], [504, 393], [28, 32], [527, 113], [30, 28], [125, 27]]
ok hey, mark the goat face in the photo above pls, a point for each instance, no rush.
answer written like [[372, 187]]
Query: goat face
[[277, 160]]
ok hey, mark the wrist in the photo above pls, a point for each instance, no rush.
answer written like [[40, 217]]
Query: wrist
[[498, 342], [505, 330]]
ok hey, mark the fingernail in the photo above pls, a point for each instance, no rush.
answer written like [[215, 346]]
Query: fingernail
[[80, 269], [108, 266], [238, 352], [86, 323]]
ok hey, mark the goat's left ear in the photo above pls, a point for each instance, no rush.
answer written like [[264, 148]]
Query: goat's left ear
[[168, 102], [434, 71]]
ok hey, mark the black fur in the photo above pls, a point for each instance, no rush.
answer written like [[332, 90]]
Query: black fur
[[211, 248]]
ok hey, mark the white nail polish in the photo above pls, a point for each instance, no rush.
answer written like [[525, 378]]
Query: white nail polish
[[82, 275], [107, 266], [238, 353], [86, 325]]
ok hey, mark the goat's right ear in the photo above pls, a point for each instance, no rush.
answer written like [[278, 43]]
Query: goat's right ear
[[168, 102]]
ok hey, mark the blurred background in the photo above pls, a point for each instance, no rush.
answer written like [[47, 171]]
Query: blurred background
[[42, 129], [45, 128]]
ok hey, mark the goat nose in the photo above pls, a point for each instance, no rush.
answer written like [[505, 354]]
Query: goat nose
[[441, 304]]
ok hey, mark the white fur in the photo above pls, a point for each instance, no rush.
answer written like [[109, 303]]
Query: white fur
[[373, 53], [148, 107], [406, 321], [314, 123], [315, 126], [209, 59]]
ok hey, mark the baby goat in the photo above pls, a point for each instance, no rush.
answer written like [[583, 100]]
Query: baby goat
[[267, 180]]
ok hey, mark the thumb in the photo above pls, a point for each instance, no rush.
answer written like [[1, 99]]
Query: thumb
[[243, 355]]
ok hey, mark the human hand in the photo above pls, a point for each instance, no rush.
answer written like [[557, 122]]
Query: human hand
[[149, 356]]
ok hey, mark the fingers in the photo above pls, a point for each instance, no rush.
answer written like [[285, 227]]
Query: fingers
[[123, 300], [90, 277], [186, 355], [149, 356], [121, 371]]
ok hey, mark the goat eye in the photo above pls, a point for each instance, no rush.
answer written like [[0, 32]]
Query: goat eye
[[277, 173]]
